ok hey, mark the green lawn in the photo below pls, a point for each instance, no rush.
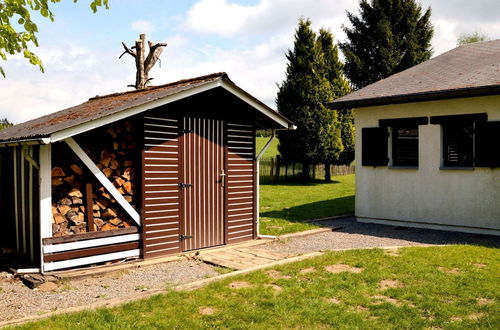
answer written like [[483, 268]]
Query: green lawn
[[452, 287], [283, 207], [272, 151]]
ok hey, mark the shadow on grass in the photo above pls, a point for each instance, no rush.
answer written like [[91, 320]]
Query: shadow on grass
[[316, 210], [310, 183]]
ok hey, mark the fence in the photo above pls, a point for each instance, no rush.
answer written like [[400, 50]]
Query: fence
[[273, 170]]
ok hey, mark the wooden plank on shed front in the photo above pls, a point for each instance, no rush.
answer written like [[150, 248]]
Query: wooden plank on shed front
[[45, 196], [103, 180]]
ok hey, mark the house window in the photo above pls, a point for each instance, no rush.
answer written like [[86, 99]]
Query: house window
[[404, 140], [458, 145], [405, 146], [466, 140]]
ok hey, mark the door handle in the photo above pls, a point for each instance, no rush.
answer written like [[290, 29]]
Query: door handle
[[223, 178]]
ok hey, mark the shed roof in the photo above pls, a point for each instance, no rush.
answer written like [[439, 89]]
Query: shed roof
[[111, 105], [468, 70]]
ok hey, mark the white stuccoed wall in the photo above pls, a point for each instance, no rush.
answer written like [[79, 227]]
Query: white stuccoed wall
[[463, 200]]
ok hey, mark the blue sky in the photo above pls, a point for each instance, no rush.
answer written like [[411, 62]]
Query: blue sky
[[246, 38]]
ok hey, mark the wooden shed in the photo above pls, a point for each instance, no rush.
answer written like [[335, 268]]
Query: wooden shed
[[139, 174]]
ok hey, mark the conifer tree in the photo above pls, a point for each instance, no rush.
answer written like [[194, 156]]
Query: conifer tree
[[303, 97], [387, 37], [334, 72]]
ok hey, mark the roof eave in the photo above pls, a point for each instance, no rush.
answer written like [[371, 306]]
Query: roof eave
[[417, 97]]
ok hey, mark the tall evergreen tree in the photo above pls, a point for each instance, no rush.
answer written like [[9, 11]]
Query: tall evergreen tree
[[389, 36], [302, 97], [334, 72]]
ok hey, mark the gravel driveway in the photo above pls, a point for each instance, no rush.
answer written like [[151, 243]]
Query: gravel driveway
[[354, 234], [17, 301]]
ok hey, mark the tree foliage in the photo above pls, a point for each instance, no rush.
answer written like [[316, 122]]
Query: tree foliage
[[18, 31], [303, 97], [334, 73], [468, 38], [387, 37], [4, 123]]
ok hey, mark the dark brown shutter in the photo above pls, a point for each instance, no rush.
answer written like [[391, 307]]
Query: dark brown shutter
[[374, 146], [487, 144]]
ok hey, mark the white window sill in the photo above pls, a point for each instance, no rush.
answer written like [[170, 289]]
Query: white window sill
[[403, 167], [462, 168]]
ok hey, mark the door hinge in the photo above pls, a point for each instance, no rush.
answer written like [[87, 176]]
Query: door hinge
[[185, 185], [184, 237]]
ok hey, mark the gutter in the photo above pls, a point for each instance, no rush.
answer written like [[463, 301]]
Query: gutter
[[17, 143], [257, 159], [418, 97]]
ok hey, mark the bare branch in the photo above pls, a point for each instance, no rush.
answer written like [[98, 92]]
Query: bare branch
[[127, 51]]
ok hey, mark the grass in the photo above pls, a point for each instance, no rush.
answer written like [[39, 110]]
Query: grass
[[272, 151], [284, 207], [452, 287]]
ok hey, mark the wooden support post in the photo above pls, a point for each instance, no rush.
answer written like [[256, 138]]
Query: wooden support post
[[88, 207], [45, 192]]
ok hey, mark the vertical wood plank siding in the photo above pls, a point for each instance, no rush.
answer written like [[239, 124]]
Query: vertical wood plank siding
[[203, 198], [26, 211], [240, 197], [161, 207]]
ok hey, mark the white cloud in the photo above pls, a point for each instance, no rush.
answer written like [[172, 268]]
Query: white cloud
[[268, 16], [143, 26]]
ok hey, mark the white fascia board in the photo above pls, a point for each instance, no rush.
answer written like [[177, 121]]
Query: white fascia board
[[103, 180], [72, 131], [252, 101], [88, 243], [91, 260]]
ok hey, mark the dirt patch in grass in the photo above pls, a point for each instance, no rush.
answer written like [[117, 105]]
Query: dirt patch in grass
[[381, 299], [239, 285], [340, 268], [394, 252], [390, 284], [47, 287], [448, 270], [362, 308], [475, 316], [277, 275], [332, 300], [485, 301], [275, 287], [206, 310], [455, 319], [479, 265], [307, 270]]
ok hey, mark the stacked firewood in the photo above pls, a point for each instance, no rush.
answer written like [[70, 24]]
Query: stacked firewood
[[116, 160]]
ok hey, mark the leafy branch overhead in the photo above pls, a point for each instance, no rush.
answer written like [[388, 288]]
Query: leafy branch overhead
[[143, 63], [18, 31]]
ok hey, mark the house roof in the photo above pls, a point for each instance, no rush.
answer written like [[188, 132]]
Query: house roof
[[468, 70], [65, 123]]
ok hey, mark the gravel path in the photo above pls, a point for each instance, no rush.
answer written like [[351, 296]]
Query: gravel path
[[17, 300], [363, 235]]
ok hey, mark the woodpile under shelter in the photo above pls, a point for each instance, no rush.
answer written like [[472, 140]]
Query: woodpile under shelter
[[138, 174]]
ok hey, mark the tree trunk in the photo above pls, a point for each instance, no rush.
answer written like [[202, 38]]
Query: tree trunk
[[305, 171], [328, 174]]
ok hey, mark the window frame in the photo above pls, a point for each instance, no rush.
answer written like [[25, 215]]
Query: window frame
[[398, 124]]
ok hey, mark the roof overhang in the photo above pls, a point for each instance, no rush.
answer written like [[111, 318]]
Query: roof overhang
[[416, 97], [227, 85]]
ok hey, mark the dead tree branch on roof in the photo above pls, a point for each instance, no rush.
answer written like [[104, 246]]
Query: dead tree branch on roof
[[143, 63]]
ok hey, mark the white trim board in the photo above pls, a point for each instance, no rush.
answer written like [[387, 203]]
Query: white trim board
[[91, 260], [103, 180], [84, 127], [90, 243]]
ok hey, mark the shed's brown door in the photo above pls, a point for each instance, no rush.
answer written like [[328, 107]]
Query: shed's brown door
[[202, 185]]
